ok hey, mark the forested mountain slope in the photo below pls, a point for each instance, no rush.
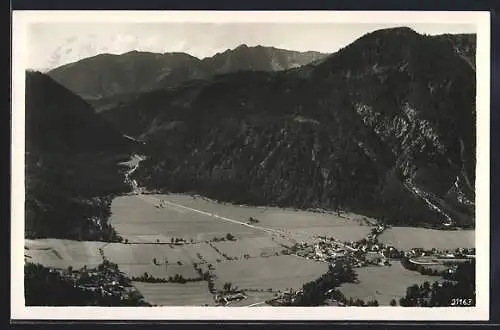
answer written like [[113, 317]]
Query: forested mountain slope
[[71, 171], [385, 126]]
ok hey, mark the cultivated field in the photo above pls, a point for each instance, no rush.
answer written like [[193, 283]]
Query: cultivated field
[[207, 253], [137, 259], [158, 271], [140, 254], [384, 283], [149, 229], [173, 294], [277, 273], [406, 238], [59, 253]]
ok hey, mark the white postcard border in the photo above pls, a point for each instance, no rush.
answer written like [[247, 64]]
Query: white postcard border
[[21, 20]]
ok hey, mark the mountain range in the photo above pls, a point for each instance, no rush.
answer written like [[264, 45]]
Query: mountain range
[[384, 127], [108, 75]]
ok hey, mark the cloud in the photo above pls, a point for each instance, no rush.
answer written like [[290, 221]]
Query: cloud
[[55, 44]]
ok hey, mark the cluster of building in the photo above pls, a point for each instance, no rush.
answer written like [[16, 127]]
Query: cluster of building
[[104, 281], [367, 251], [285, 298]]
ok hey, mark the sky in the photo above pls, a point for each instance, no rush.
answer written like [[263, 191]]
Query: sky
[[53, 44]]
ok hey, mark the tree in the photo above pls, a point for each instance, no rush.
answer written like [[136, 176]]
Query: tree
[[154, 261], [229, 237], [227, 286], [172, 240], [126, 240], [413, 291], [393, 302], [157, 241]]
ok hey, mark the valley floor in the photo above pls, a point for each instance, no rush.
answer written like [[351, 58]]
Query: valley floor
[[170, 235]]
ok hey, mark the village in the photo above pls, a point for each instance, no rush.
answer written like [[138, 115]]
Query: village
[[367, 251], [370, 252], [104, 281]]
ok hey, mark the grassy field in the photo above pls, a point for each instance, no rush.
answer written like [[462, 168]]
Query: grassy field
[[254, 247], [207, 253], [136, 259], [406, 238], [173, 294], [347, 226], [160, 271], [384, 283], [60, 253], [140, 254], [139, 220], [277, 273]]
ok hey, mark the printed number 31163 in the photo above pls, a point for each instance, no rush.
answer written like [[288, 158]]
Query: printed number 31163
[[461, 302]]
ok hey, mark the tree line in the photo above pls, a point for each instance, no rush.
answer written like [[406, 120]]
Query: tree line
[[460, 283]]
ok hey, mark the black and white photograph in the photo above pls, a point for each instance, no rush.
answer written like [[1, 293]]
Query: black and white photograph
[[221, 165]]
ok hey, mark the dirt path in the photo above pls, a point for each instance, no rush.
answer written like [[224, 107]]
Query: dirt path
[[213, 215]]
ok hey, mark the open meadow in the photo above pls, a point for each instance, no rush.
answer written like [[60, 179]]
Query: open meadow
[[139, 219], [143, 254], [276, 273], [61, 253], [174, 294], [406, 238], [137, 259], [253, 247]]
